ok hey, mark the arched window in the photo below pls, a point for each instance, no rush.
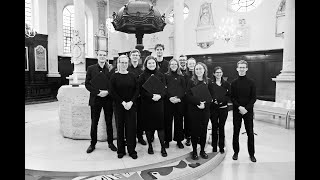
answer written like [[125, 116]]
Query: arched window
[[28, 12], [68, 26]]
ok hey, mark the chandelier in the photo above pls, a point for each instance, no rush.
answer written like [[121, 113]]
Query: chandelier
[[227, 30], [29, 32]]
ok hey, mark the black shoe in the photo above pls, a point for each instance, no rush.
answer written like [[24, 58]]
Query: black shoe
[[112, 147], [253, 159], [141, 141], [166, 144], [150, 150], [134, 156], [164, 152], [120, 155], [194, 156], [90, 149], [214, 149], [204, 155], [180, 145], [235, 156], [188, 142], [221, 150]]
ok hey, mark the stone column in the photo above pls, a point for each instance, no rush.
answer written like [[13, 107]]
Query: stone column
[[52, 39], [285, 81], [78, 49], [178, 6]]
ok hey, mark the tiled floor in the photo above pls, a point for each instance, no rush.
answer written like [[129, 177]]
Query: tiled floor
[[46, 149]]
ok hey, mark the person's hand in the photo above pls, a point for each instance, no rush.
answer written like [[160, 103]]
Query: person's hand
[[215, 101], [242, 110], [172, 99], [201, 106], [129, 105], [103, 93], [156, 97]]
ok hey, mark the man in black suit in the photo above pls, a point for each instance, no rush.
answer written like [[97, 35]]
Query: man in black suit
[[243, 97], [100, 98]]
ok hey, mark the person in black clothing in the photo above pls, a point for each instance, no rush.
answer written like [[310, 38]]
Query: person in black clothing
[[198, 111], [99, 99], [219, 108], [191, 62], [136, 68], [152, 105], [125, 89], [183, 63], [243, 97], [173, 107], [162, 63]]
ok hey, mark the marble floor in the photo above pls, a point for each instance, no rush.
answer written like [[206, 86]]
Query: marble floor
[[47, 150]]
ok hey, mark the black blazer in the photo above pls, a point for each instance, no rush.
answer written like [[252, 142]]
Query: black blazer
[[92, 71]]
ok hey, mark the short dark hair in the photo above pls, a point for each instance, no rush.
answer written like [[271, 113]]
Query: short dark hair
[[157, 45], [242, 62], [182, 55], [134, 51]]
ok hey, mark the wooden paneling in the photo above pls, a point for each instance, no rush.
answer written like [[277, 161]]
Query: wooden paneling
[[263, 65]]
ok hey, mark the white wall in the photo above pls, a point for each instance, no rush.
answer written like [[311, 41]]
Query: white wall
[[260, 20]]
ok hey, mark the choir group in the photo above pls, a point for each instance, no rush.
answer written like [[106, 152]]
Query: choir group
[[176, 98]]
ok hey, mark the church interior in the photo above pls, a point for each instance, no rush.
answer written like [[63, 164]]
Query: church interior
[[61, 41]]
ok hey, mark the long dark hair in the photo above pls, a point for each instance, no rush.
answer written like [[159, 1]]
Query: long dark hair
[[144, 67], [194, 77], [178, 69]]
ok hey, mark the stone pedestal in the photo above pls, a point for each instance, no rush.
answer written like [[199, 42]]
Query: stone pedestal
[[285, 87], [75, 116]]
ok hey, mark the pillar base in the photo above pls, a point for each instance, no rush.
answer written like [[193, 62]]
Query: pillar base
[[285, 86], [75, 116], [54, 74]]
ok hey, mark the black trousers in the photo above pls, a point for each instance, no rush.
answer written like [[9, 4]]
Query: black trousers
[[248, 124], [195, 140], [150, 134], [218, 117], [139, 118], [95, 115], [126, 128], [173, 112]]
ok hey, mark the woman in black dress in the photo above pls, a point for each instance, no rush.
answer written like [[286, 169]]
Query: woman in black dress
[[173, 103], [125, 90], [219, 108], [152, 105], [198, 111]]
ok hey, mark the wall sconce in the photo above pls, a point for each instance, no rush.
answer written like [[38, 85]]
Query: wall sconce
[[101, 40]]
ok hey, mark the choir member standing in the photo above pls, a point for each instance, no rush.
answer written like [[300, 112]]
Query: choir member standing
[[125, 90], [152, 105], [173, 103]]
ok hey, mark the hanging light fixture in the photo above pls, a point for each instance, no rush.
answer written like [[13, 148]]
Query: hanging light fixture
[[29, 32], [227, 29]]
